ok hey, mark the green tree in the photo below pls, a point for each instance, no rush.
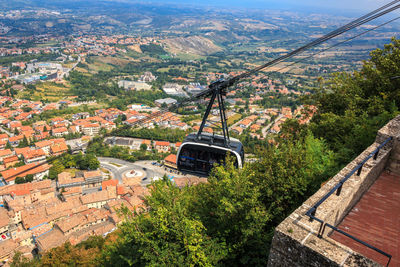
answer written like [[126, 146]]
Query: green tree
[[68, 255], [231, 209], [143, 147], [27, 109], [8, 145], [88, 162], [19, 180], [93, 162], [168, 235], [19, 260], [23, 143], [353, 106], [29, 178], [56, 168]]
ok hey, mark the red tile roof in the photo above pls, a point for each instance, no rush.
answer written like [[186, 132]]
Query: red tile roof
[[120, 190], [59, 130], [21, 151], [58, 140], [10, 159], [171, 158], [5, 152], [32, 168], [36, 153], [59, 148], [375, 220], [162, 143], [107, 183], [16, 138], [43, 143]]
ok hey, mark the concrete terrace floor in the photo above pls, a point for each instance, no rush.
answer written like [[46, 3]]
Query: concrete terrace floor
[[375, 219]]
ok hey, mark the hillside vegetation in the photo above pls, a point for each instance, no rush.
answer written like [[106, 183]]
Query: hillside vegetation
[[230, 220]]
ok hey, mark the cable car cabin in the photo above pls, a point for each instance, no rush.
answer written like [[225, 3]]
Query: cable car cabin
[[198, 156]]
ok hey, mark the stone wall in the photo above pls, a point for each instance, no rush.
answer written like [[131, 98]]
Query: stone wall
[[295, 241], [390, 130]]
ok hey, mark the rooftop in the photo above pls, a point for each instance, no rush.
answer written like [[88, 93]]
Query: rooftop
[[91, 174], [59, 147], [22, 171], [50, 240], [375, 219]]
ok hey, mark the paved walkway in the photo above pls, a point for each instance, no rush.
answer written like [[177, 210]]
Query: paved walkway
[[375, 219]]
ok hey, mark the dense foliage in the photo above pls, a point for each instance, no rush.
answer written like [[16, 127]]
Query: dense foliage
[[80, 161], [164, 134], [99, 148], [352, 107], [88, 86]]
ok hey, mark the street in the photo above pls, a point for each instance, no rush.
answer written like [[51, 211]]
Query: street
[[7, 132], [125, 166], [265, 129]]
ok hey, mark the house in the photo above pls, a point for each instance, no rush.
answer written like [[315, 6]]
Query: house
[[4, 221], [14, 140], [276, 128], [20, 151], [59, 132], [71, 224], [255, 127], [178, 145], [14, 125], [111, 182], [90, 129], [34, 155], [57, 120], [162, 147], [65, 180], [74, 129], [10, 161], [42, 135], [237, 130], [92, 178], [3, 137], [5, 153], [7, 248], [170, 161], [99, 199], [28, 134], [58, 148], [72, 192], [51, 239], [44, 145], [39, 124], [245, 123], [24, 116], [38, 171]]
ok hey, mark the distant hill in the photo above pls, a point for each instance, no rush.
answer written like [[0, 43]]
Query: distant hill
[[192, 45]]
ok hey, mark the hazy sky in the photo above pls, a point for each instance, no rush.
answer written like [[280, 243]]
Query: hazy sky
[[301, 5]]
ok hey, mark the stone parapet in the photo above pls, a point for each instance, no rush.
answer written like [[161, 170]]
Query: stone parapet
[[296, 241]]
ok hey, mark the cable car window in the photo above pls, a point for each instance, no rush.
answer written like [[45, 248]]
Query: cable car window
[[201, 159]]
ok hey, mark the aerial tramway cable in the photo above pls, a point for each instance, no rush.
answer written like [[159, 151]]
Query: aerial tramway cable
[[358, 22], [337, 44]]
